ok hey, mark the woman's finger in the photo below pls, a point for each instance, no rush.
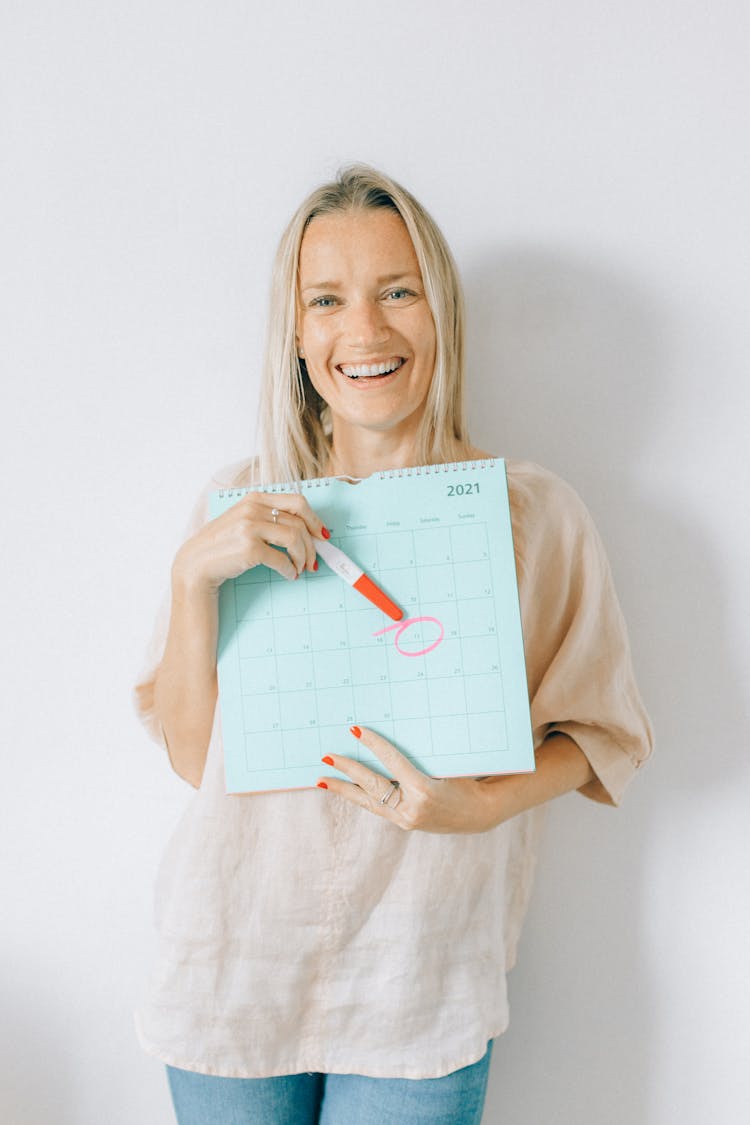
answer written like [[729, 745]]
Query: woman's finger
[[276, 560], [299, 544], [357, 796], [372, 783], [290, 519], [395, 763], [295, 504], [291, 536]]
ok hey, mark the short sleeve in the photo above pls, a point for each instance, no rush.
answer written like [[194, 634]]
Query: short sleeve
[[235, 475], [578, 661]]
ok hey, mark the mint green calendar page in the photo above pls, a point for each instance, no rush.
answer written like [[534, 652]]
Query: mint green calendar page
[[301, 662]]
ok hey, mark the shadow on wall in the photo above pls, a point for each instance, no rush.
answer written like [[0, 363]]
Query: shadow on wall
[[572, 367]]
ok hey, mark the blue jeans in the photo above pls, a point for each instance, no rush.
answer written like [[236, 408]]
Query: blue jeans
[[331, 1099]]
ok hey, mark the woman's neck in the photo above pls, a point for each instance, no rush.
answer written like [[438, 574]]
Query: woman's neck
[[363, 453]]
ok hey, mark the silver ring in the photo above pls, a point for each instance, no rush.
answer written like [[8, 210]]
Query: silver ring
[[395, 788], [275, 513]]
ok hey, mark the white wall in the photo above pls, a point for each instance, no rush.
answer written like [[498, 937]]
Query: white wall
[[588, 163]]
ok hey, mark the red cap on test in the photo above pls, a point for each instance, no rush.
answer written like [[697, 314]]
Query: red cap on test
[[374, 594]]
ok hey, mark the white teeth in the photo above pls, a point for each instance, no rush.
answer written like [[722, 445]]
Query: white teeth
[[367, 371]]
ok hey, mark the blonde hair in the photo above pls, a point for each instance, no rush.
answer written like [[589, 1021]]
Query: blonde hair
[[294, 427]]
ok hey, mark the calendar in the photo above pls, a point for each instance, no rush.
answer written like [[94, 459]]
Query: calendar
[[300, 662]]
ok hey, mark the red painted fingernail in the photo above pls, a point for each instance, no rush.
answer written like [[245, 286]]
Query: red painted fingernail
[[356, 732], [322, 785], [315, 565], [328, 760], [326, 533]]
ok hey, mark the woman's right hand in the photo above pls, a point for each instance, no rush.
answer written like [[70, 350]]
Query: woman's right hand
[[246, 535]]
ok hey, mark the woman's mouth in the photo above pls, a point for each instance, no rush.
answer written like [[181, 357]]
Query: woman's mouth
[[376, 371]]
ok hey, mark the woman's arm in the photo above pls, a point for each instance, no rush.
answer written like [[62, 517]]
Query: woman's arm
[[561, 767], [246, 535], [185, 689]]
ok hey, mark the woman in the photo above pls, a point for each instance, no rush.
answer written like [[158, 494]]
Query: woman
[[326, 956]]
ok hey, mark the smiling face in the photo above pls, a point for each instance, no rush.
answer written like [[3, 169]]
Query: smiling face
[[364, 324]]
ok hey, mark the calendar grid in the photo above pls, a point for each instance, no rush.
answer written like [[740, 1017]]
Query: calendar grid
[[290, 732]]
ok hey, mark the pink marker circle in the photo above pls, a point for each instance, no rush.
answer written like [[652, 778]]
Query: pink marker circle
[[401, 625]]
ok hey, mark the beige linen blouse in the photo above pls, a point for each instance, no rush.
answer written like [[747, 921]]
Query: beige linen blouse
[[298, 932]]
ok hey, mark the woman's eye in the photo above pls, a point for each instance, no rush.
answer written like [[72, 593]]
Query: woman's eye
[[323, 302], [400, 293]]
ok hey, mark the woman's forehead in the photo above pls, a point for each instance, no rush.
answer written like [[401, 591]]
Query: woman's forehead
[[348, 240]]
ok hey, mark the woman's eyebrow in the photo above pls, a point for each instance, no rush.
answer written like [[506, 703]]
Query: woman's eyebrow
[[397, 277], [385, 280], [320, 285]]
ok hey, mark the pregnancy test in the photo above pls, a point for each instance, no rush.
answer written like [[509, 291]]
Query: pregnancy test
[[342, 565]]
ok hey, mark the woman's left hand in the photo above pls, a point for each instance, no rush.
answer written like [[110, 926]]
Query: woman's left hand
[[454, 804]]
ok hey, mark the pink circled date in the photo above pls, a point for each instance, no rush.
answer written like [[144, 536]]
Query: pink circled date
[[401, 625]]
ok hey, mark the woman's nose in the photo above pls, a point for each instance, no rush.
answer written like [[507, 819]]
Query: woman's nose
[[366, 324]]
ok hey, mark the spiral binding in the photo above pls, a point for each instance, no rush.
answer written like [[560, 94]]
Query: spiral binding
[[294, 486], [435, 470], [384, 474]]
